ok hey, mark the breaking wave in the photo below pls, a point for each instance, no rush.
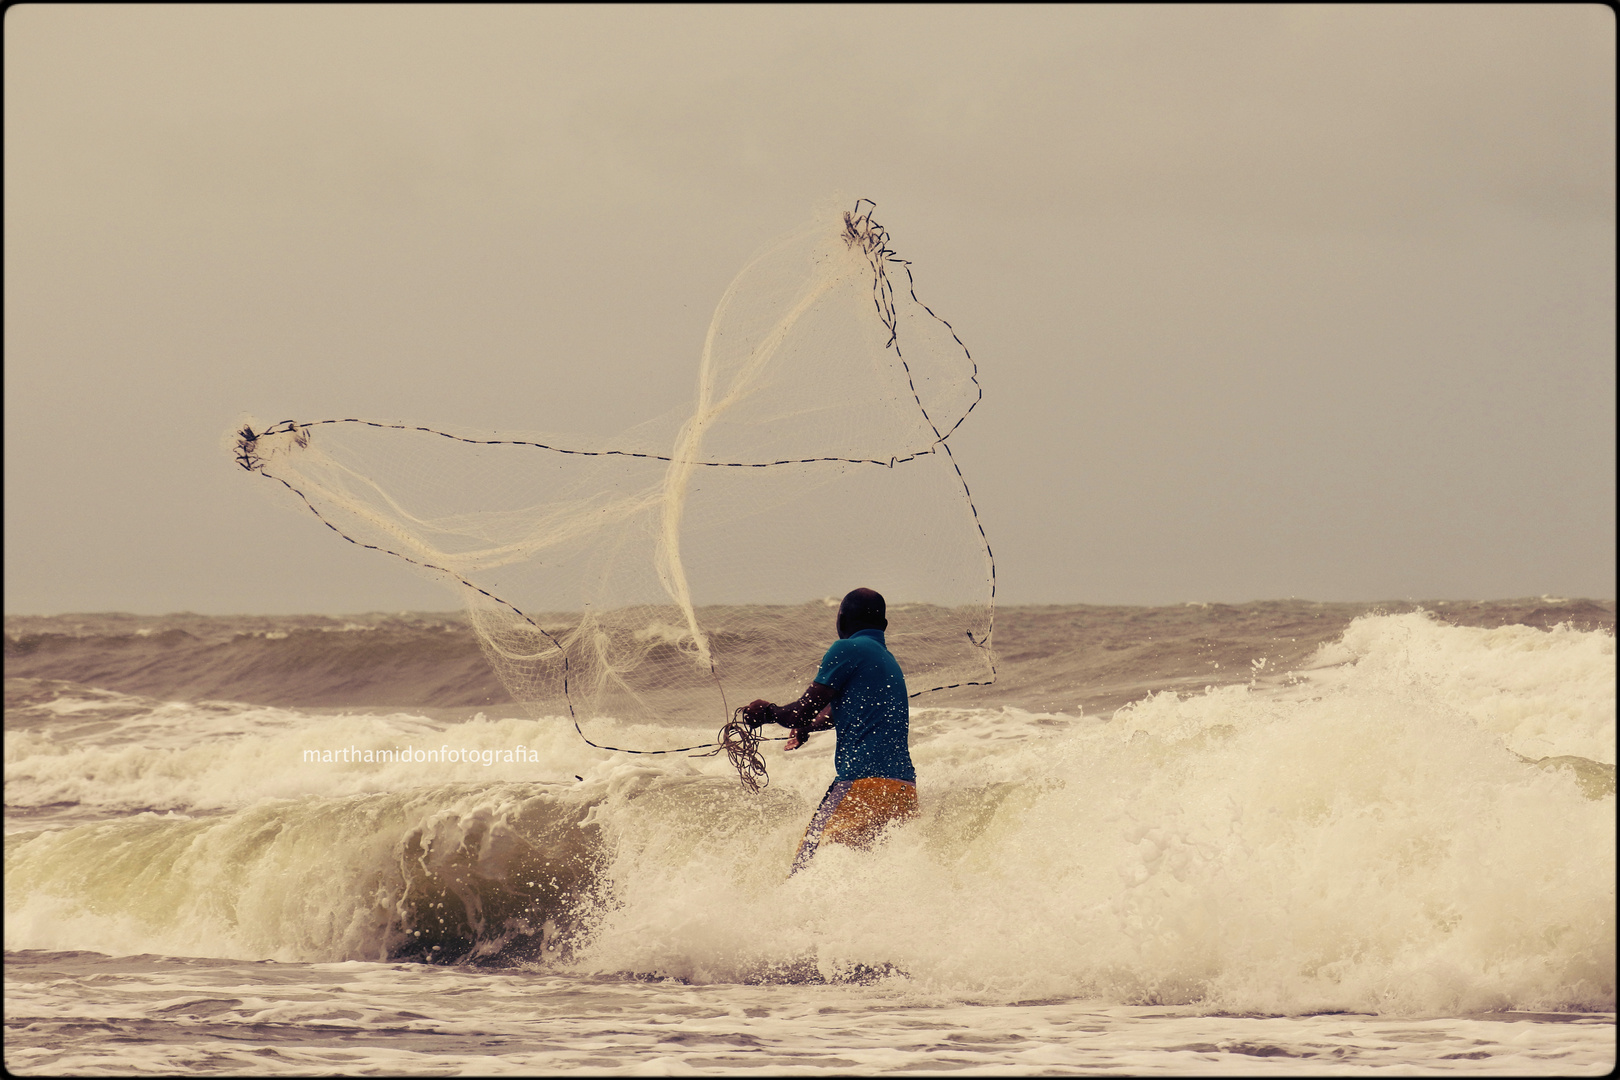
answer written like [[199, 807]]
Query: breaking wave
[[1419, 820]]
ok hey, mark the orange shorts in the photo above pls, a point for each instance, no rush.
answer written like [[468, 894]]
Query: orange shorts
[[854, 812]]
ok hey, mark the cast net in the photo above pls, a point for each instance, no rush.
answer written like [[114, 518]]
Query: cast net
[[657, 580]]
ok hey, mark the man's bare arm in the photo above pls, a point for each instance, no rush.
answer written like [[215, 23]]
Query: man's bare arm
[[804, 713], [809, 713]]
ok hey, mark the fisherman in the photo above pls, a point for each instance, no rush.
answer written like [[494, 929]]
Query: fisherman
[[860, 692]]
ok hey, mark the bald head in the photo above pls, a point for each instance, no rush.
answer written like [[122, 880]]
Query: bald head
[[862, 609]]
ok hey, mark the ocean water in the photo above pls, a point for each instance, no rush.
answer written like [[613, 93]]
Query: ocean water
[[1283, 837]]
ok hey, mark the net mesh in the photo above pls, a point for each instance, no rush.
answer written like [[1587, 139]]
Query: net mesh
[[638, 581]]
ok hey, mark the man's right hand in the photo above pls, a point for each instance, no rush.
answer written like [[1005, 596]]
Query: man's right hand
[[758, 713]]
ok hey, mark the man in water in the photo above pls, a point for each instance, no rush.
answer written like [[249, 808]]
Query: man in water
[[860, 692]]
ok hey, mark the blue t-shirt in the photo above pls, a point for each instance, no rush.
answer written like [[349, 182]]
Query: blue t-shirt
[[870, 711]]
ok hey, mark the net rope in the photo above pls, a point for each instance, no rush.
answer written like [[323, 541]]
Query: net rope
[[740, 740], [629, 556]]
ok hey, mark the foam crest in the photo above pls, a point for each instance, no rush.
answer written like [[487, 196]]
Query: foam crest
[[161, 761], [1548, 693]]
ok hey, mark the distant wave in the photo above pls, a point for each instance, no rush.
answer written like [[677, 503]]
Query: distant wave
[[421, 661], [1052, 657]]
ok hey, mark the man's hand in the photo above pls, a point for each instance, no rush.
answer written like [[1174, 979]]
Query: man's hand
[[758, 712], [798, 738]]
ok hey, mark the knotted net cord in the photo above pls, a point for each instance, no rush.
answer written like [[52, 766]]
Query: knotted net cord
[[779, 339], [740, 741]]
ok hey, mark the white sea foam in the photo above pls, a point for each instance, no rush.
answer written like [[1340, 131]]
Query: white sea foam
[[1546, 693], [209, 758], [1370, 850]]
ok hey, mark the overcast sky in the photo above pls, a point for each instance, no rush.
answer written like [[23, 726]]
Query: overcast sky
[[1267, 302]]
